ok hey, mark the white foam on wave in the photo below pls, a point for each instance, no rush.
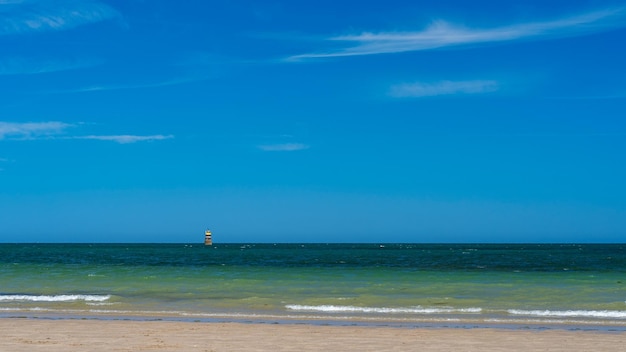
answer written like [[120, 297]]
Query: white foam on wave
[[387, 310], [615, 314], [102, 303], [53, 298]]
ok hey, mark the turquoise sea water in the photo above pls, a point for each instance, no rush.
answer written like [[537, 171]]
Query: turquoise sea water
[[461, 285]]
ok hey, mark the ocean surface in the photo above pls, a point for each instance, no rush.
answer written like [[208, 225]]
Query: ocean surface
[[536, 286]]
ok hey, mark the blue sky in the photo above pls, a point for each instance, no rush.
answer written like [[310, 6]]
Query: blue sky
[[312, 121]]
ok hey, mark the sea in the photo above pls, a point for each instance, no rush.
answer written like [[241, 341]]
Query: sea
[[518, 286]]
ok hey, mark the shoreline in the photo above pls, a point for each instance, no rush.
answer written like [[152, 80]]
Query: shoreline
[[65, 335], [334, 321]]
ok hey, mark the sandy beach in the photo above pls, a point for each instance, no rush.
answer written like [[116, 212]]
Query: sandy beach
[[100, 335]]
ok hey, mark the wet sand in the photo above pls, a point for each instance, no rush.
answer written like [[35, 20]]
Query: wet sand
[[18, 335]]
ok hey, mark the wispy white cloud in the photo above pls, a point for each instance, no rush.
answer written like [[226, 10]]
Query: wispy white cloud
[[441, 34], [419, 89], [58, 130], [126, 139], [32, 130], [189, 68], [109, 87], [284, 147], [18, 17]]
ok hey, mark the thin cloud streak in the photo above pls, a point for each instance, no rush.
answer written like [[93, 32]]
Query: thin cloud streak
[[103, 88], [418, 89], [57, 130], [441, 34], [22, 66], [41, 16], [191, 69], [32, 130], [285, 147], [127, 139]]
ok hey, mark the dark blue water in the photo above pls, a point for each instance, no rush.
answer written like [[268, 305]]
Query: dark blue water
[[438, 257]]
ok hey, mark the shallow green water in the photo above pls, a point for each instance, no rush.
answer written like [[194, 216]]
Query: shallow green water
[[544, 284]]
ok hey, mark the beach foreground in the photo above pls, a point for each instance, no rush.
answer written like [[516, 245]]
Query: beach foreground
[[115, 335]]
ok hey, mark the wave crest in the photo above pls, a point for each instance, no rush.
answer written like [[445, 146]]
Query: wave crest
[[571, 313], [54, 298], [388, 310]]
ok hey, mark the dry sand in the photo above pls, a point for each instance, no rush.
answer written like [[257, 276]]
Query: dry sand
[[18, 335]]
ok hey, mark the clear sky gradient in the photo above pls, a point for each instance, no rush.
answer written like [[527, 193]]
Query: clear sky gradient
[[312, 121]]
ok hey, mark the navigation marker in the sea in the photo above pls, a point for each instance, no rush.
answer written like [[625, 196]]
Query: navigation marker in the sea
[[207, 238]]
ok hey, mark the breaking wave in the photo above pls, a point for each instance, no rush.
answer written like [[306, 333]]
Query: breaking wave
[[615, 314], [54, 298], [386, 310]]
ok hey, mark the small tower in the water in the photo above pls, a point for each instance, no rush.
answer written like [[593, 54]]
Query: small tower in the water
[[208, 241]]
